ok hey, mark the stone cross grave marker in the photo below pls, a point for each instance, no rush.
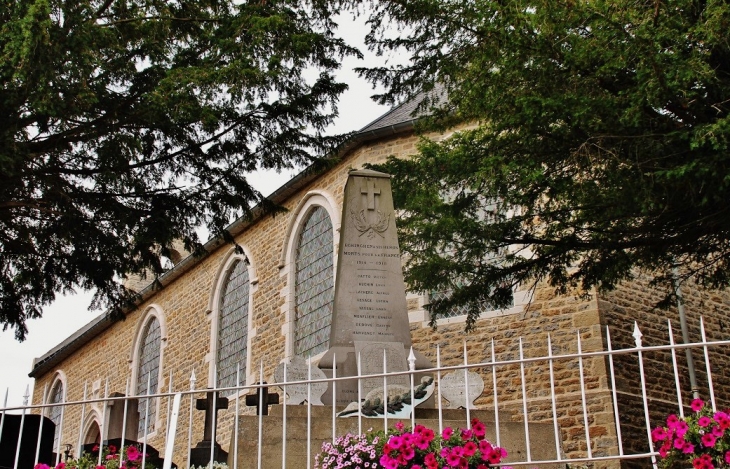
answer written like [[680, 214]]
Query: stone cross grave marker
[[370, 314], [297, 369], [262, 396], [454, 389], [200, 455]]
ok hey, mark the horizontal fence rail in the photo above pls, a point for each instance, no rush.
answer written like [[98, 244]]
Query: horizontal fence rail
[[597, 406]]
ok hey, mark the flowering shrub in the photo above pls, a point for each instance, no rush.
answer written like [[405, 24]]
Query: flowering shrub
[[702, 439], [419, 448], [110, 459], [349, 450]]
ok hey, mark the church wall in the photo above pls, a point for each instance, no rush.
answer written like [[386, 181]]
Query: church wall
[[635, 301], [186, 307], [562, 317]]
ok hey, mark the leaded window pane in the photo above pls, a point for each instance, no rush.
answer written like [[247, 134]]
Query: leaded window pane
[[233, 326], [314, 287], [148, 367], [54, 413]]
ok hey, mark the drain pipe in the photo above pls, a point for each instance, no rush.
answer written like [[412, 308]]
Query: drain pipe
[[685, 334]]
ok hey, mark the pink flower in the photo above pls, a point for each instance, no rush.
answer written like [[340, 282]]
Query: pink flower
[[61, 465], [697, 405], [453, 460], [112, 449], [133, 453], [446, 434], [664, 450], [416, 466], [688, 448], [659, 434], [727, 457], [708, 440], [482, 466], [723, 420], [703, 462], [396, 442], [484, 445], [478, 428], [494, 456], [470, 448], [682, 428], [704, 421], [408, 453], [466, 434], [430, 461], [41, 466], [422, 443], [679, 443], [100, 467], [672, 421], [717, 431], [399, 426]]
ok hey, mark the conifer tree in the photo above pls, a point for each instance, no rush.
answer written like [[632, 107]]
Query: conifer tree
[[596, 146], [126, 124]]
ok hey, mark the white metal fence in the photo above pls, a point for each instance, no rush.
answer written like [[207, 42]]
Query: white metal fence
[[631, 400]]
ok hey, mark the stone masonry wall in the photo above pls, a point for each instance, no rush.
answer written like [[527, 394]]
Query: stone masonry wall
[[186, 343], [635, 301]]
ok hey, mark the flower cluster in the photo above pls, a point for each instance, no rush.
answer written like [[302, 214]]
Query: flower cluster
[[356, 451], [422, 449], [702, 438], [111, 458], [419, 448]]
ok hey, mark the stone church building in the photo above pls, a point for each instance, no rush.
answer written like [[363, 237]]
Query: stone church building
[[273, 299]]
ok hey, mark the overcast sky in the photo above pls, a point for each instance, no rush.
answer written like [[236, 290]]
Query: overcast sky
[[70, 313]]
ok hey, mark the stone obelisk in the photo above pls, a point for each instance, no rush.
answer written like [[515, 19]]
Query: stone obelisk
[[370, 314]]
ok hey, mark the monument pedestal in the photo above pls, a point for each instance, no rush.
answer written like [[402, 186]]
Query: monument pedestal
[[512, 434]]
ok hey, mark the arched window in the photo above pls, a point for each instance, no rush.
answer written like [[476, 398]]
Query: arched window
[[55, 412], [148, 369], [314, 284], [232, 344]]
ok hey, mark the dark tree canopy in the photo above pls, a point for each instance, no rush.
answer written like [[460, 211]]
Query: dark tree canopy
[[126, 124], [598, 144]]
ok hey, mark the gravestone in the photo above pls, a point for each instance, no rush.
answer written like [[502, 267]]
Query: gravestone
[[261, 400], [117, 420], [297, 369], [453, 389], [200, 455], [370, 316]]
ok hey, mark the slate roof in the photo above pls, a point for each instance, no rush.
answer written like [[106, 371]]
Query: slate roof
[[399, 119]]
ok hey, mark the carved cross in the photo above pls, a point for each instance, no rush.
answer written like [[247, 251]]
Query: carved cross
[[371, 191], [210, 412], [267, 399]]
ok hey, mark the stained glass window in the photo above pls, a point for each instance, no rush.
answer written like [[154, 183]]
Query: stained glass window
[[54, 413], [148, 367], [314, 286], [233, 326]]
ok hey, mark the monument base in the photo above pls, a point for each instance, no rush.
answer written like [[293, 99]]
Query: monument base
[[542, 436], [371, 357], [200, 455]]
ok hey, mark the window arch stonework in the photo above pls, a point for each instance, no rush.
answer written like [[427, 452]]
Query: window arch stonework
[[148, 373], [55, 413], [233, 325], [313, 283]]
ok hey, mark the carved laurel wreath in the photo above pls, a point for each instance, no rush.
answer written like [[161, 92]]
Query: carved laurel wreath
[[361, 223]]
